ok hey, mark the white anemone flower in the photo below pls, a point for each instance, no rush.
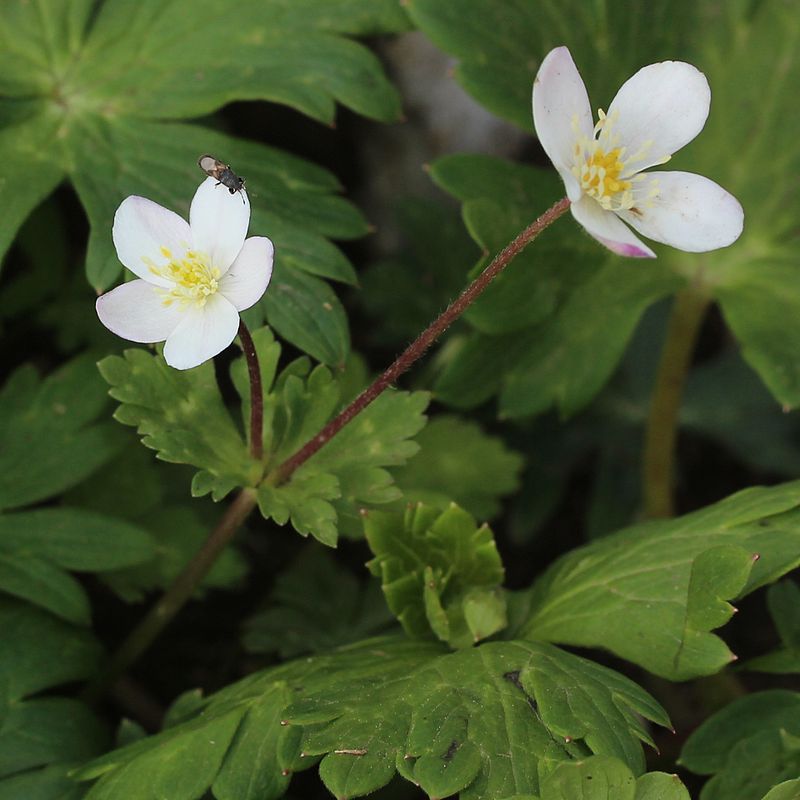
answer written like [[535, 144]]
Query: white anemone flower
[[193, 277], [655, 113]]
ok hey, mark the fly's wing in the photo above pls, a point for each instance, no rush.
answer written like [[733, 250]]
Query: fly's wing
[[210, 165]]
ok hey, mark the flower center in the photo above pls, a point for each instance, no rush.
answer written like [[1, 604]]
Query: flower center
[[194, 279], [599, 176], [603, 167]]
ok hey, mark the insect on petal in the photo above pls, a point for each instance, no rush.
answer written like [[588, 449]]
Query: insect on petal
[[219, 222]]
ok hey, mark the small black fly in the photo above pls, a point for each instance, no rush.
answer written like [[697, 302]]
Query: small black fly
[[222, 173]]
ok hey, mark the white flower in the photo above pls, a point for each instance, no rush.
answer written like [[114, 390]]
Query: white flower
[[656, 112], [194, 278]]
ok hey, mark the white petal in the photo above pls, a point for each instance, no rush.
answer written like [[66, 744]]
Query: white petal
[[248, 278], [202, 333], [219, 222], [608, 229], [561, 113], [141, 229], [659, 109], [136, 311], [689, 212]]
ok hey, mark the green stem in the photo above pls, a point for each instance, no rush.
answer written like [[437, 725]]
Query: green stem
[[171, 602], [688, 312]]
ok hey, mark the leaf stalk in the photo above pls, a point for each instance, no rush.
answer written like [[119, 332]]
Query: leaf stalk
[[661, 433]]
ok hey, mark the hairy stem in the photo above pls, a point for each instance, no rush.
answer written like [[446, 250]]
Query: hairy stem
[[418, 347], [256, 393], [688, 312], [171, 602]]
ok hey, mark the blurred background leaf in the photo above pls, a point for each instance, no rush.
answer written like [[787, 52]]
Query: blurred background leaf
[[95, 100]]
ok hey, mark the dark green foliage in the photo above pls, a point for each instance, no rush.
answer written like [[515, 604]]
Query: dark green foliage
[[474, 697], [316, 605], [50, 434], [445, 721], [458, 462], [749, 746], [783, 600]]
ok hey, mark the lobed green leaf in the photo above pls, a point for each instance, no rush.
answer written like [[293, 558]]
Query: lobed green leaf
[[653, 592], [181, 415], [491, 721], [441, 573]]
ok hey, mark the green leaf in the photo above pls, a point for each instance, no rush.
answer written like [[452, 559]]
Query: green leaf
[[316, 605], [152, 496], [50, 438], [596, 778], [181, 415], [652, 593], [440, 572], [306, 312], [186, 765], [349, 471], [74, 539], [783, 600], [788, 790], [445, 721], [179, 532], [95, 90], [498, 70], [144, 60], [457, 461], [756, 288], [578, 352], [660, 786], [725, 400], [47, 730], [606, 778], [405, 292], [50, 783], [33, 171], [748, 746], [40, 651]]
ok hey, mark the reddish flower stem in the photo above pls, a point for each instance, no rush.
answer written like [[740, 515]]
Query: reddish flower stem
[[256, 393], [418, 347]]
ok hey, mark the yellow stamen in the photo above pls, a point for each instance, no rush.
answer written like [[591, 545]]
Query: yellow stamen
[[604, 169], [194, 279]]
